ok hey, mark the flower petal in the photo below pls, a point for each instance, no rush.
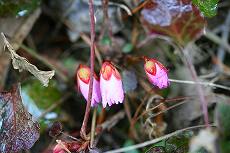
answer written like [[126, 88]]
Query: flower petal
[[111, 91]]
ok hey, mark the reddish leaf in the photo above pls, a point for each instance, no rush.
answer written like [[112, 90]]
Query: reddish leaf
[[55, 129], [178, 19], [17, 129]]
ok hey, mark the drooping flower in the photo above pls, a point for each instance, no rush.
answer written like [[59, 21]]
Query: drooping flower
[[83, 79], [156, 72], [110, 85]]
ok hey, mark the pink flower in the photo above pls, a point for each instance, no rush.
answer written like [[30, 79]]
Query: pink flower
[[72, 146], [59, 148], [156, 72], [83, 79], [110, 85]]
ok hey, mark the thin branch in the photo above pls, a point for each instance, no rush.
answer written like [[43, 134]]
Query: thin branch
[[45, 61], [97, 52], [216, 39], [124, 7], [201, 83], [147, 143], [112, 121], [92, 60], [54, 105]]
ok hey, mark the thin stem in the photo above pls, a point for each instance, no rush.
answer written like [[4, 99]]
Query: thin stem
[[201, 83], [192, 70], [147, 143], [216, 39], [93, 125], [92, 59]]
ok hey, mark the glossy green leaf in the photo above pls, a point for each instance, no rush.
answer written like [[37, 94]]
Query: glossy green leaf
[[207, 7]]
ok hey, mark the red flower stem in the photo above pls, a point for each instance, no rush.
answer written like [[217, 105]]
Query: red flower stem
[[200, 91], [92, 59]]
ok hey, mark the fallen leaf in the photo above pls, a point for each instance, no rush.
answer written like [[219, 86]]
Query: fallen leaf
[[177, 19], [17, 129], [22, 63]]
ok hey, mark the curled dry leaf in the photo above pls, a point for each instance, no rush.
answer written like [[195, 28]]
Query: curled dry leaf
[[17, 129], [22, 63]]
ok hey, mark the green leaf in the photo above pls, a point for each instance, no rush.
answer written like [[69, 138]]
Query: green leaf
[[207, 7], [44, 97], [106, 41], [18, 8], [223, 118], [130, 143], [127, 48], [225, 146], [177, 144]]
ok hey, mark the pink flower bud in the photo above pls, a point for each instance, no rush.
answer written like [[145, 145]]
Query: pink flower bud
[[156, 72], [110, 85], [83, 79]]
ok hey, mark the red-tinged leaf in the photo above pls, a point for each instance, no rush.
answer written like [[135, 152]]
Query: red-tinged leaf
[[177, 19], [55, 129], [17, 129]]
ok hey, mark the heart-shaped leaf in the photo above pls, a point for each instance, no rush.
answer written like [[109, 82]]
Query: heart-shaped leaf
[[177, 19]]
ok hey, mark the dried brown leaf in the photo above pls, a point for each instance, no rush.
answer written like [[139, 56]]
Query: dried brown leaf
[[22, 63]]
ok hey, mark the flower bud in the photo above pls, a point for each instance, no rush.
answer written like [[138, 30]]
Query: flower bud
[[156, 72]]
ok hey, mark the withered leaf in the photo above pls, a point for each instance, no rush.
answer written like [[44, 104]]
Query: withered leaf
[[18, 131], [22, 63], [177, 19]]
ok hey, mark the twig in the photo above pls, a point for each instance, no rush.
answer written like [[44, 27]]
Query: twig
[[54, 105], [34, 54], [124, 7], [147, 143], [225, 35], [92, 59], [171, 107], [112, 121], [201, 83], [216, 39]]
